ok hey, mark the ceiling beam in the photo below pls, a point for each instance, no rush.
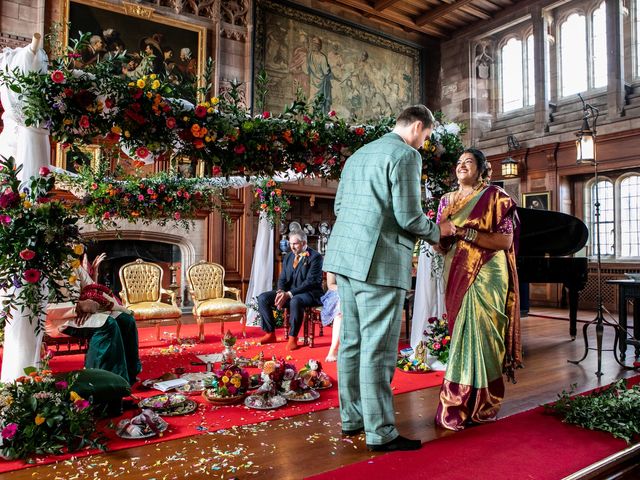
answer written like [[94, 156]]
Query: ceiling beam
[[440, 12], [394, 18], [383, 4]]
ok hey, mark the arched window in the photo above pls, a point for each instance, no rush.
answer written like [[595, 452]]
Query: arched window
[[630, 216], [531, 78], [599, 47], [511, 75], [573, 55], [607, 218]]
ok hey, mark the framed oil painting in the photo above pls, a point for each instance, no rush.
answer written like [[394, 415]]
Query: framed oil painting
[[360, 75], [537, 200], [153, 43], [71, 160]]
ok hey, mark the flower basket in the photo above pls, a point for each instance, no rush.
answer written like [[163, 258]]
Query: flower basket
[[210, 396]]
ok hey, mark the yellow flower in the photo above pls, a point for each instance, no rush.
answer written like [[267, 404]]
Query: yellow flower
[[141, 83], [27, 204], [72, 279], [211, 110], [23, 195], [78, 249], [185, 118], [215, 100], [39, 419], [75, 263], [153, 76], [67, 121], [225, 379], [74, 396], [426, 144], [156, 84], [149, 94]]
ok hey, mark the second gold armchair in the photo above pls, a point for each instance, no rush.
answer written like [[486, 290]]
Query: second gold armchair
[[212, 299]]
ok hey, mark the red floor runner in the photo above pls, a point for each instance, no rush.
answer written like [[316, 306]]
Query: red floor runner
[[162, 356], [530, 445]]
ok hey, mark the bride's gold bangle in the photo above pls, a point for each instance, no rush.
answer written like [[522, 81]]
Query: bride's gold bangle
[[470, 235]]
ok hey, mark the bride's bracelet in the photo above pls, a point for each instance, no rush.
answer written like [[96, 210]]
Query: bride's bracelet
[[470, 235]]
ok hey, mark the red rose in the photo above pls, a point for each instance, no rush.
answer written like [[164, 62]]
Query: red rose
[[84, 121], [106, 216], [239, 149], [201, 111], [31, 276], [332, 113], [68, 92], [44, 171], [216, 170], [57, 76], [171, 122], [359, 131], [27, 254], [266, 114], [108, 103], [142, 152]]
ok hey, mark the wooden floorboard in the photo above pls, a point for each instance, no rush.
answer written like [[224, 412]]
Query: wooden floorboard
[[304, 445]]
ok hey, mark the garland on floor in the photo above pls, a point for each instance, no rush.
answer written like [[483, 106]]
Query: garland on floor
[[614, 409]]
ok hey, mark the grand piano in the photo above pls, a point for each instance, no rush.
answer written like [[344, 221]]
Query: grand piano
[[545, 240]]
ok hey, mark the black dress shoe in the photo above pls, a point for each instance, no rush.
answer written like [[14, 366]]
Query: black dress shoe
[[398, 443], [353, 433]]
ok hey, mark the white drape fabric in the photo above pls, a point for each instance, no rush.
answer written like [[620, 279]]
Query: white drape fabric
[[29, 146], [261, 268]]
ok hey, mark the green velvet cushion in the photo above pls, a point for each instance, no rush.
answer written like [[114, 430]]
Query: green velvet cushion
[[101, 385]]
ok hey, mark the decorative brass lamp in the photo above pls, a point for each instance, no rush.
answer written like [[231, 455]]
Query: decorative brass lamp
[[509, 166], [586, 141]]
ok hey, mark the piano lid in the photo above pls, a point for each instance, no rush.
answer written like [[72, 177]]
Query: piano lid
[[544, 232]]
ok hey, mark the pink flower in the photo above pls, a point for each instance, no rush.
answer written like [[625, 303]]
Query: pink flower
[[277, 209], [61, 385], [150, 191], [140, 197], [239, 149], [176, 216], [266, 114], [431, 214], [432, 319], [436, 346], [94, 186], [81, 404], [106, 216], [9, 431], [142, 152], [306, 119], [5, 219], [31, 275], [84, 122], [57, 76], [44, 171], [9, 198], [171, 122], [332, 113], [27, 254]]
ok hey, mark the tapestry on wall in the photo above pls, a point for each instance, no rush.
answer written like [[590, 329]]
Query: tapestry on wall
[[359, 74]]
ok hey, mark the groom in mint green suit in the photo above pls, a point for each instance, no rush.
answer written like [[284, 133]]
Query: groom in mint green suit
[[379, 218]]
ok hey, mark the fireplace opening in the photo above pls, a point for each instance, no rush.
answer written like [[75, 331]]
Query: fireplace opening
[[121, 252]]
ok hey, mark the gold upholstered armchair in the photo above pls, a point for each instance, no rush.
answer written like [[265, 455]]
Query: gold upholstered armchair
[[142, 293], [212, 300]]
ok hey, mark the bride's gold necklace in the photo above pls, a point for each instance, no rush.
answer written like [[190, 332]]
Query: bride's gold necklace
[[460, 199]]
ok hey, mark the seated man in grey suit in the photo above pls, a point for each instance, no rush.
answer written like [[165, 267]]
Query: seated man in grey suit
[[299, 286]]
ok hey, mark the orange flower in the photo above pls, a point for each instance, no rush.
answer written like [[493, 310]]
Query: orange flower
[[39, 419]]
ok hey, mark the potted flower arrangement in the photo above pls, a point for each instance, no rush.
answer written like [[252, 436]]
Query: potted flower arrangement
[[229, 385], [229, 354], [43, 415], [415, 363], [40, 244], [313, 376], [437, 338]]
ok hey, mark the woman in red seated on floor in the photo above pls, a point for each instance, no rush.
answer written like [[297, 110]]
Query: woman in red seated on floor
[[110, 328]]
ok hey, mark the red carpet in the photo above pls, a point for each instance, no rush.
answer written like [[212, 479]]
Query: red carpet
[[530, 445], [159, 357]]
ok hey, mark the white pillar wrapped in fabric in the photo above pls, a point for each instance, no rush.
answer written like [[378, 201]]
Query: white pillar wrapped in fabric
[[29, 146], [261, 268]]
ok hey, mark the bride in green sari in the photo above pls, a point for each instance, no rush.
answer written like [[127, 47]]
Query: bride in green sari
[[481, 296]]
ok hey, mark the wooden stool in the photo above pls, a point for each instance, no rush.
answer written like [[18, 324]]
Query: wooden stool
[[309, 320]]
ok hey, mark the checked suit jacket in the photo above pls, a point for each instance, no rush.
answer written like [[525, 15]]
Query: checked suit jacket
[[379, 214]]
